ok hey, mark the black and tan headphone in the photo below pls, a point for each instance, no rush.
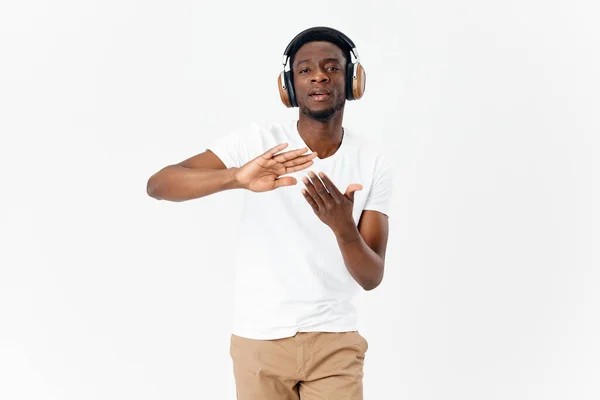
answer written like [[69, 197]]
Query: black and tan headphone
[[356, 77]]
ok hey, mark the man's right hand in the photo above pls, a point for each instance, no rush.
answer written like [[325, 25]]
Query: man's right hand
[[262, 174]]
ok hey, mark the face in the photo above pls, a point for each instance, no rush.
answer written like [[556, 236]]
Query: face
[[319, 70]]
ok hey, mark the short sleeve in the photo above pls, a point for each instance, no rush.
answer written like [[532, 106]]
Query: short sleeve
[[380, 193], [232, 148]]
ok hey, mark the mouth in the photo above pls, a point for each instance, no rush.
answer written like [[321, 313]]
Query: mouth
[[319, 94]]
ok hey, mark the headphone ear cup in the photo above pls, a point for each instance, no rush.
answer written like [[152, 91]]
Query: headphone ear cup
[[284, 94], [349, 81], [286, 90], [356, 87], [289, 83]]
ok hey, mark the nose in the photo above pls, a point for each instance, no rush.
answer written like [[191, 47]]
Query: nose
[[319, 76]]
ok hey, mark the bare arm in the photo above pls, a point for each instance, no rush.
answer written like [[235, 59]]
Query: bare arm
[[363, 248], [196, 177], [205, 174]]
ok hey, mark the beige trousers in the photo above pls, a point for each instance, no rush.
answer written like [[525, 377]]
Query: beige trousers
[[307, 366]]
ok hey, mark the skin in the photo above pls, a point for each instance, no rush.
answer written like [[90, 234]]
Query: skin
[[322, 65]]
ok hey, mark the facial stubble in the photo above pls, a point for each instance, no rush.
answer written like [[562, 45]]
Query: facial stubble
[[325, 114]]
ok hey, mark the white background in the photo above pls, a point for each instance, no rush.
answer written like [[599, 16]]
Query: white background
[[487, 110]]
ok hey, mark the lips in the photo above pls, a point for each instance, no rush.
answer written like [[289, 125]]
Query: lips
[[319, 94]]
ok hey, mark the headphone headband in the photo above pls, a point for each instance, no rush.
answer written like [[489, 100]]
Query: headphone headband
[[320, 29], [324, 29]]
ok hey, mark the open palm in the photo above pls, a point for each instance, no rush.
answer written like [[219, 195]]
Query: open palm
[[263, 173]]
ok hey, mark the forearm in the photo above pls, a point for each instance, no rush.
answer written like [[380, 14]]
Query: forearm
[[176, 183], [365, 265]]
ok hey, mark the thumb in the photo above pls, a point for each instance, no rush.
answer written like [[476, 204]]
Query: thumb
[[285, 181], [351, 189]]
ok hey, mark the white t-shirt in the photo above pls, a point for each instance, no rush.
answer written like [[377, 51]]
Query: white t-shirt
[[289, 274]]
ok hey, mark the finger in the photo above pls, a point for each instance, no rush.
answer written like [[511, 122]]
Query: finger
[[299, 167], [310, 200], [333, 190], [299, 160], [319, 188], [271, 152], [351, 191], [290, 155], [285, 181], [313, 193]]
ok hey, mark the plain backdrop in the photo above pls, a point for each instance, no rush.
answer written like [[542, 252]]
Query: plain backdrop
[[487, 110]]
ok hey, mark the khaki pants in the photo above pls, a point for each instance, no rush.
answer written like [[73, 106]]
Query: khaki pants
[[307, 366]]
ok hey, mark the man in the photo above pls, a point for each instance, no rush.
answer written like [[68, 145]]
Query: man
[[304, 250]]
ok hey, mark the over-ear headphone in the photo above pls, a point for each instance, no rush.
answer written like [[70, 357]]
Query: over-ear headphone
[[356, 77]]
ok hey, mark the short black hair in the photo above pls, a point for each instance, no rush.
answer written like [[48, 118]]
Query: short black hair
[[320, 35]]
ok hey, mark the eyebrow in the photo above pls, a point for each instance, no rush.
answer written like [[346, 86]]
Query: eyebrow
[[326, 60]]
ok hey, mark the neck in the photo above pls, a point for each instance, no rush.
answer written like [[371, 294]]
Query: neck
[[322, 137]]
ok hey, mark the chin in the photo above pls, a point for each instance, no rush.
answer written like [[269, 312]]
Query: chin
[[323, 114]]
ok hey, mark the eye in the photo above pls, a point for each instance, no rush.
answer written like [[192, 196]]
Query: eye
[[303, 70], [333, 68]]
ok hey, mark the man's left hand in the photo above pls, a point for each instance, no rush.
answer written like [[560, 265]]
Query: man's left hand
[[329, 204]]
